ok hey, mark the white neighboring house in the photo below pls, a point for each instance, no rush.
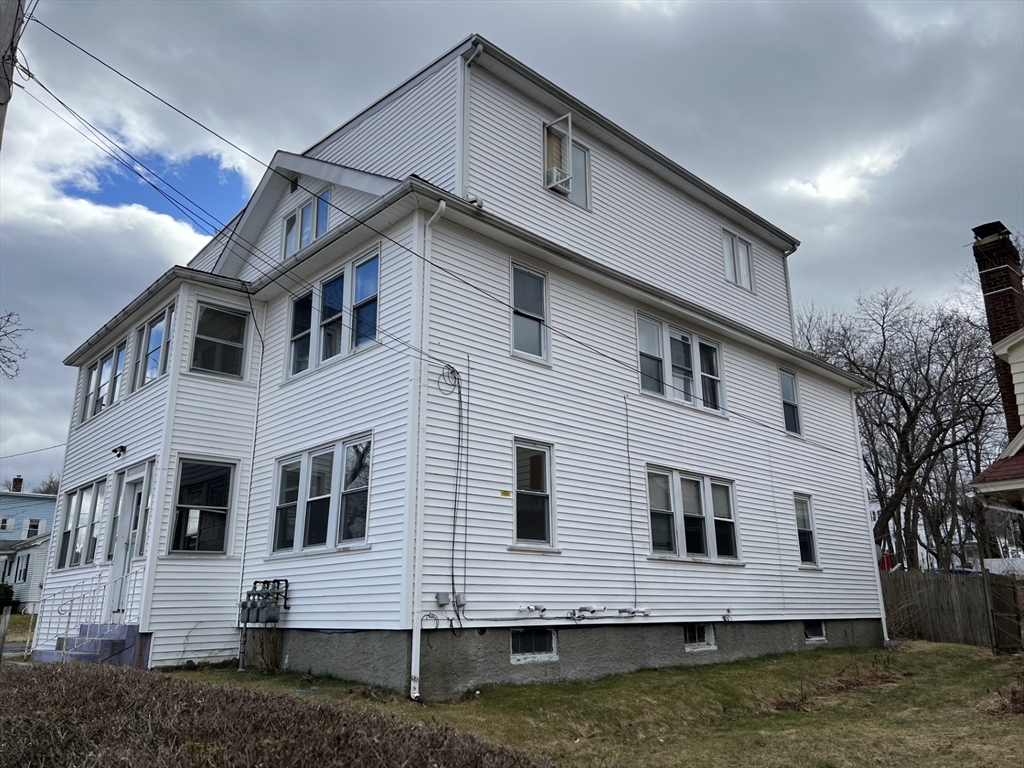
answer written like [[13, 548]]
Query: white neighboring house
[[503, 393]]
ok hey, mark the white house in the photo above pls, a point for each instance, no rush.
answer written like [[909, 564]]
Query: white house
[[25, 522], [500, 391]]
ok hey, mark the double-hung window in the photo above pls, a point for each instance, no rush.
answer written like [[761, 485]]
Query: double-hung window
[[689, 372], [200, 520], [152, 347], [533, 494], [790, 406], [330, 485], [738, 268], [337, 317], [306, 223], [805, 529], [34, 528], [219, 345], [79, 531], [104, 381], [21, 569], [691, 515], [529, 305], [566, 162]]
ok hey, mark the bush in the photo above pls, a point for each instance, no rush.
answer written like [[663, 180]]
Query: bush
[[82, 715], [6, 594]]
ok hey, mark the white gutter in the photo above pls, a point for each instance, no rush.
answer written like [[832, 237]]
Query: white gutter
[[417, 568]]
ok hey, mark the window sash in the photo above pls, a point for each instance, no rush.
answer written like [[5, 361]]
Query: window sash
[[805, 530], [223, 354], [302, 322], [332, 317], [579, 183], [323, 201], [152, 347], [685, 364], [790, 406], [200, 522], [318, 499], [529, 311], [532, 495], [736, 255], [704, 506]]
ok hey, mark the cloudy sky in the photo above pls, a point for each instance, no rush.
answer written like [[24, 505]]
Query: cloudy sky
[[876, 133]]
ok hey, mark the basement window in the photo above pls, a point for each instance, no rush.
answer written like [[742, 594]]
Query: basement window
[[697, 636], [814, 631], [533, 644]]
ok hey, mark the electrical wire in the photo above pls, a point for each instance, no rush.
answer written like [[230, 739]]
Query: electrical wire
[[37, 450]]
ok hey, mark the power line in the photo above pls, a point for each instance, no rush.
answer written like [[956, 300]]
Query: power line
[[37, 450], [508, 305]]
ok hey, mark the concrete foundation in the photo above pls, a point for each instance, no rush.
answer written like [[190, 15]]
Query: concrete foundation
[[452, 665]]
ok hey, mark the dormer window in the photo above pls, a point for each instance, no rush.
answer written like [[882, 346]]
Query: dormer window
[[566, 162], [307, 223]]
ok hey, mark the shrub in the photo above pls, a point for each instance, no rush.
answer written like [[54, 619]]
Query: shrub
[[82, 715], [6, 594]]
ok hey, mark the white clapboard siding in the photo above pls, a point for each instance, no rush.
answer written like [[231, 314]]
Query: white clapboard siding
[[206, 259], [363, 392], [637, 223], [576, 405], [412, 133], [192, 611]]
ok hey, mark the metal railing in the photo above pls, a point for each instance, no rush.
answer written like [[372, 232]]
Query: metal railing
[[62, 613]]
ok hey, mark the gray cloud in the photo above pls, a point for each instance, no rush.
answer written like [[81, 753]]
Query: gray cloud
[[878, 134]]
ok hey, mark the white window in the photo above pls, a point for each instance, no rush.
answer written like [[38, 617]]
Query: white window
[[790, 406], [104, 381], [529, 309], [152, 347], [79, 532], [201, 516], [6, 523], [320, 319], [34, 528], [219, 345], [696, 636], [691, 373], [330, 486], [737, 261], [533, 494], [21, 569], [306, 223], [805, 529], [566, 162], [533, 644], [691, 515]]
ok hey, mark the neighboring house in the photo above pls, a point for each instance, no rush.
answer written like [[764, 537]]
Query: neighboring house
[[503, 393], [25, 521], [1001, 485]]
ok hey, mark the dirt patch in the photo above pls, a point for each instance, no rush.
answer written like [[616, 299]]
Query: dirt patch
[[859, 682]]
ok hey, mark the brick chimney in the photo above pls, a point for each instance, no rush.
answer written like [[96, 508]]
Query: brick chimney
[[16, 484], [999, 268]]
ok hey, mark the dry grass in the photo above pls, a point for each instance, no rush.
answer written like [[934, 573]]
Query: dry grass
[[17, 629], [920, 707], [81, 715]]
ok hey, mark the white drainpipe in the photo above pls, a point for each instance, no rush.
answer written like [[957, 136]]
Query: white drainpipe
[[417, 571]]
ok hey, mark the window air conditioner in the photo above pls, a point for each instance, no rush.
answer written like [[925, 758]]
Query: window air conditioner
[[557, 179]]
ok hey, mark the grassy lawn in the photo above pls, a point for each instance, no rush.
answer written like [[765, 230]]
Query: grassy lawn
[[17, 629], [925, 705]]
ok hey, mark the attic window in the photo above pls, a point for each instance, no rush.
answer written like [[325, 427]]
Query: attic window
[[308, 222], [566, 162]]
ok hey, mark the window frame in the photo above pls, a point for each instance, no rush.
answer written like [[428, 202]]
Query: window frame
[[6, 524], [794, 404], [347, 316], [809, 532], [92, 404], [143, 335], [21, 571], [200, 305], [694, 630], [532, 657], [545, 338], [709, 526], [73, 525], [304, 459], [564, 186], [733, 273], [814, 637], [294, 214], [38, 526], [177, 507], [668, 333], [549, 493]]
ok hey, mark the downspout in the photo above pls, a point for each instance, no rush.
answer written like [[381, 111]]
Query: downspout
[[417, 568]]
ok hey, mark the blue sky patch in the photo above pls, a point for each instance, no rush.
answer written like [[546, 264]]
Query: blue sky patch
[[216, 194]]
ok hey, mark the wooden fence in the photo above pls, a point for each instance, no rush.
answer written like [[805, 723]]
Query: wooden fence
[[954, 608]]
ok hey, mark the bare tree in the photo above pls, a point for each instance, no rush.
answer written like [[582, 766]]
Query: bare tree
[[11, 353], [7, 484], [49, 484], [928, 421]]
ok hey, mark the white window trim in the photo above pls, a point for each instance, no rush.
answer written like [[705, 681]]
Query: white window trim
[[563, 185], [707, 507], [535, 545], [816, 563], [333, 543], [348, 346], [824, 632], [533, 658], [752, 288], [296, 211], [796, 404], [6, 524], [710, 639], [545, 337], [230, 515], [71, 522], [670, 391], [90, 386], [246, 345], [141, 344]]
